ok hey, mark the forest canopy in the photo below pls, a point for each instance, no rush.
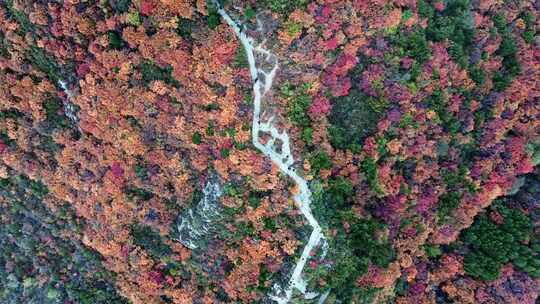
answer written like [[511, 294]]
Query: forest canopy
[[131, 167]]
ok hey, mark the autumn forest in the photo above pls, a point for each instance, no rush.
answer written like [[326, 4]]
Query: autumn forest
[[269, 151]]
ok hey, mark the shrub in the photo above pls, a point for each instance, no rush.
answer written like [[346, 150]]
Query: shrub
[[432, 251], [369, 168], [353, 118], [447, 203], [249, 13], [320, 160], [150, 240], [425, 10], [115, 41], [284, 7], [142, 194], [477, 75], [338, 138], [141, 171], [134, 18], [185, 27], [52, 107], [298, 104], [151, 72], [353, 252], [20, 17], [364, 242], [528, 36], [38, 188], [415, 45], [196, 138], [492, 245], [345, 271], [120, 6], [339, 190], [456, 184], [507, 50], [213, 18], [501, 81], [240, 58], [44, 62], [438, 103], [307, 136], [10, 113]]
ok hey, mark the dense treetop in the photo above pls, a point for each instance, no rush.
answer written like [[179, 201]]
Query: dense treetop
[[417, 123]]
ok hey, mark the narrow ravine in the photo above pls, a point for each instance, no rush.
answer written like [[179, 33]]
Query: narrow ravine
[[278, 149], [200, 221], [69, 107]]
